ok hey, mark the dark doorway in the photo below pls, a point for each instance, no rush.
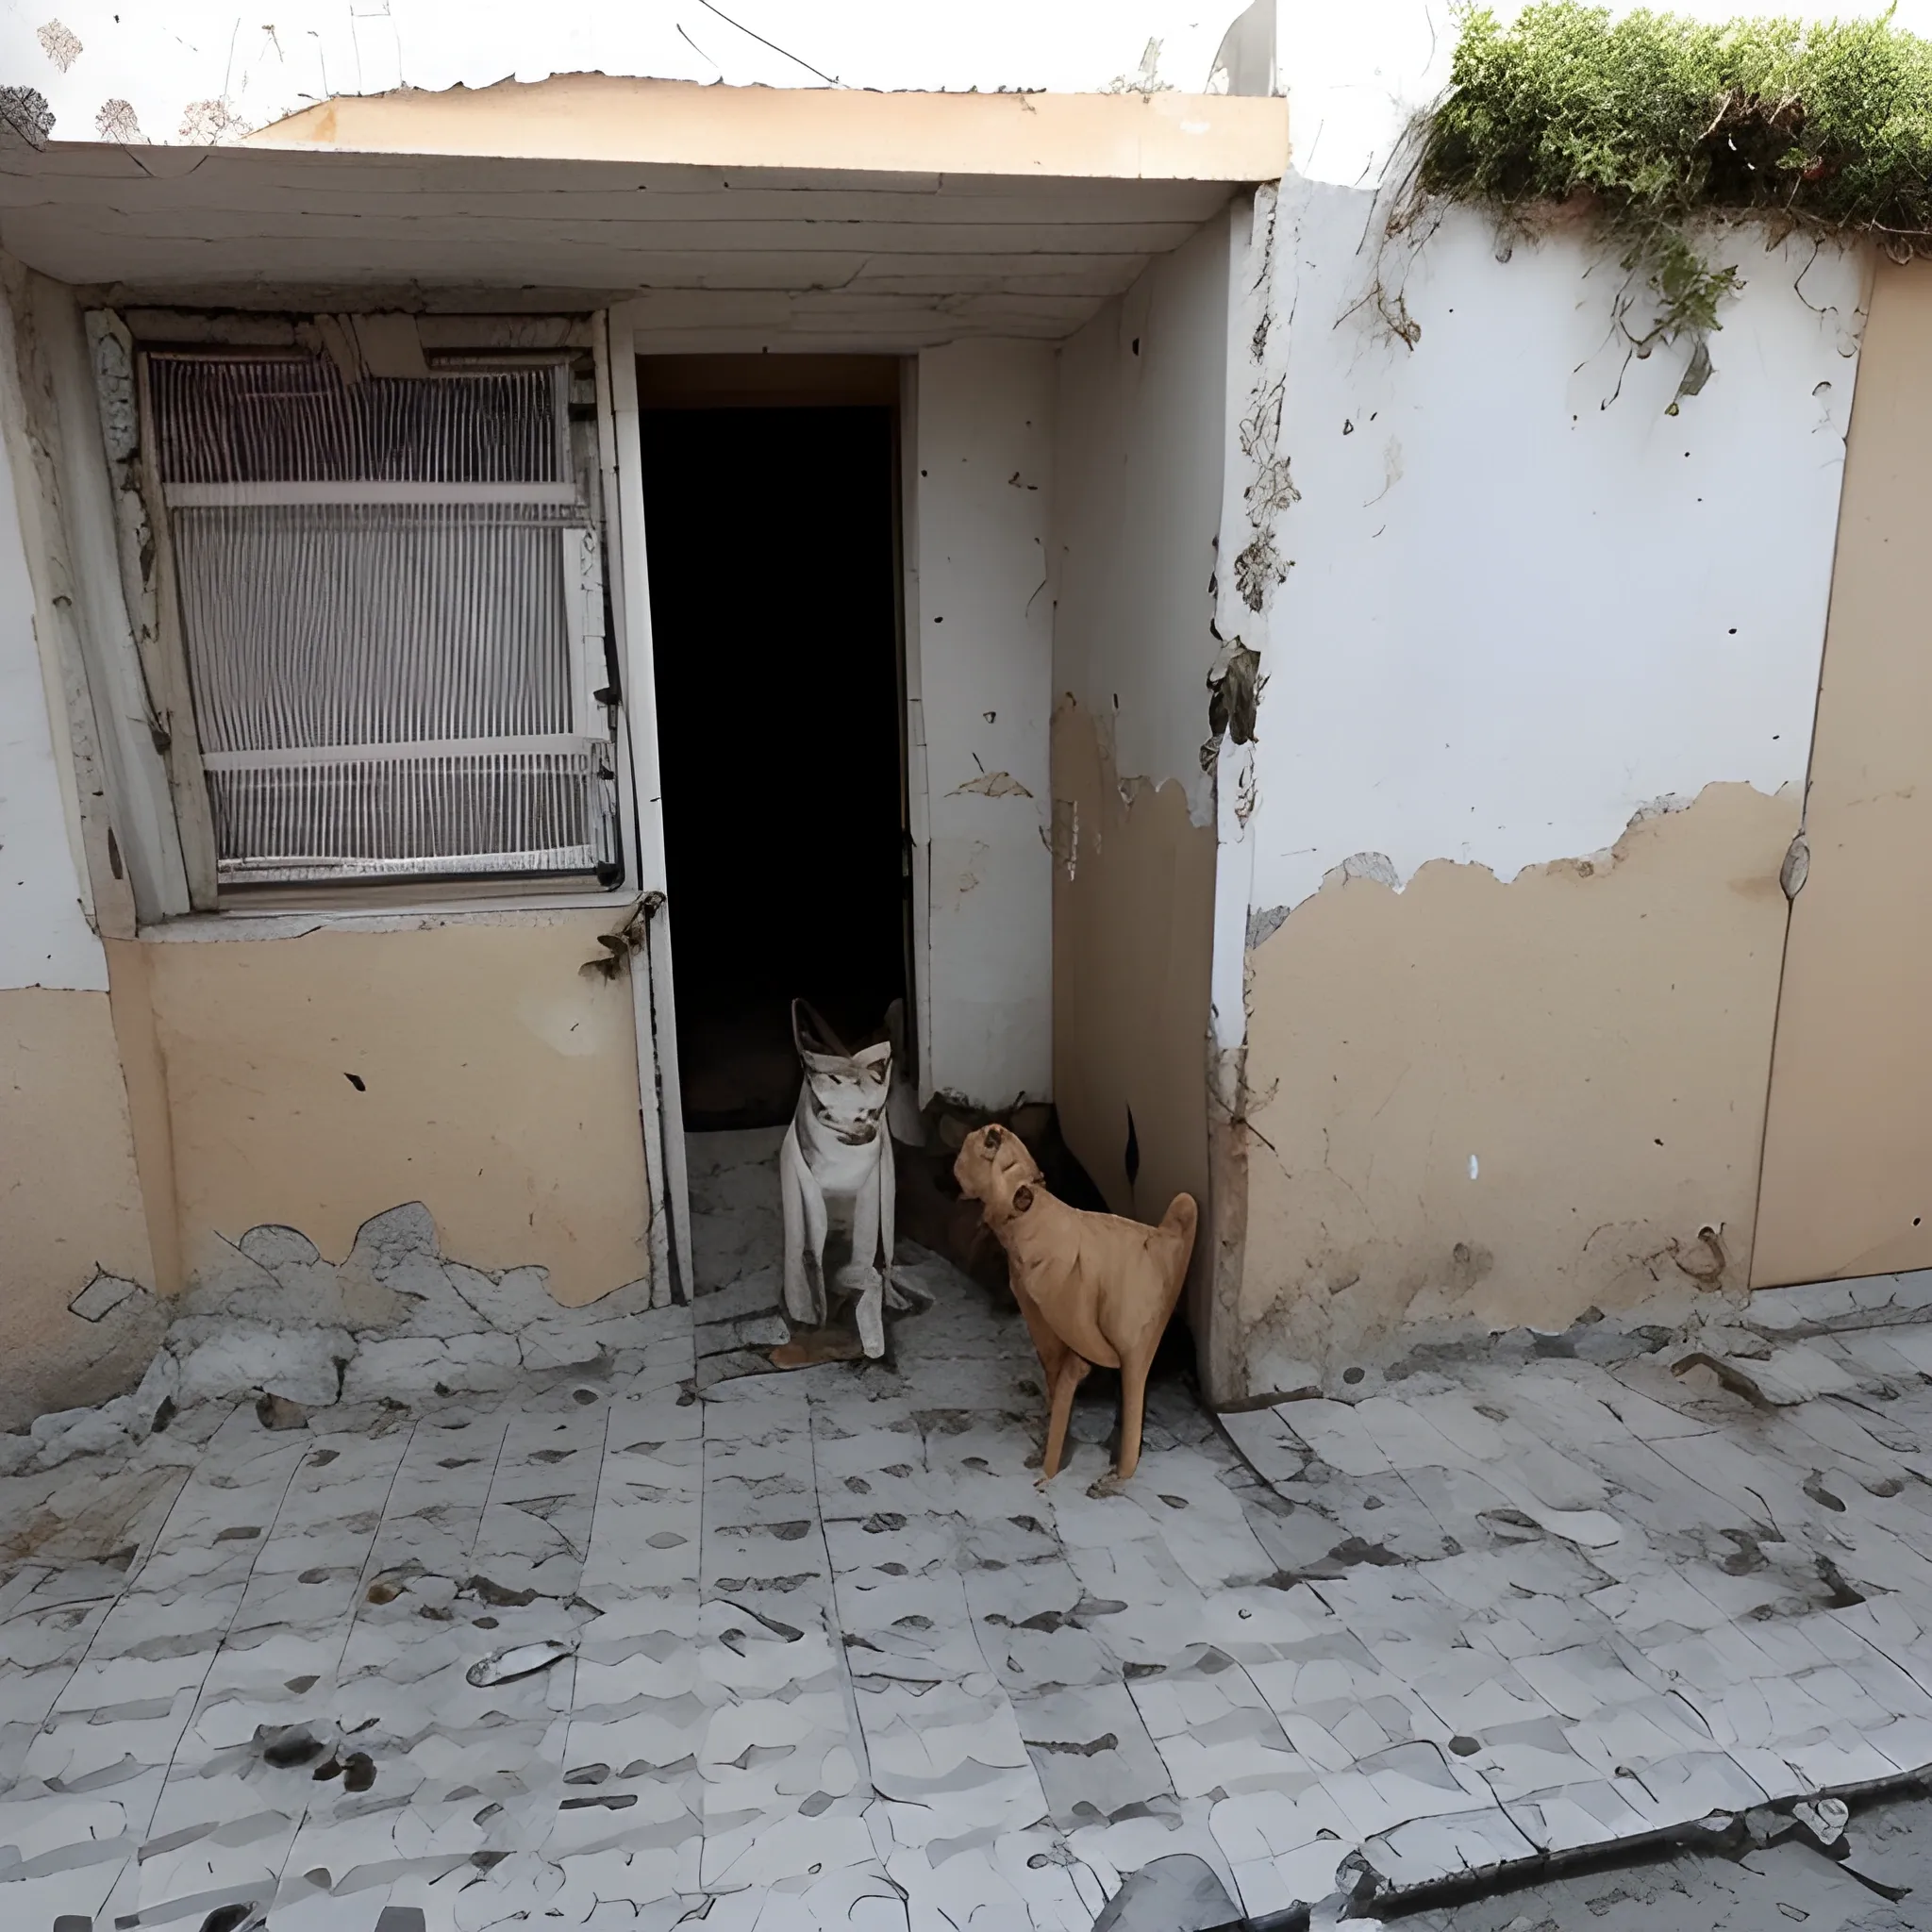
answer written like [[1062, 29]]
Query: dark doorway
[[774, 615]]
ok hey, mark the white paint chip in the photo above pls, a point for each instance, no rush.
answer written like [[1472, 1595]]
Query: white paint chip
[[1474, 1167]]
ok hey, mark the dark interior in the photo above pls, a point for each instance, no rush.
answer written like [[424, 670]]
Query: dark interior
[[775, 620]]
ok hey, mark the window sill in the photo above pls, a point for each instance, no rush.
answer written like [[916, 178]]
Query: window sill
[[287, 915]]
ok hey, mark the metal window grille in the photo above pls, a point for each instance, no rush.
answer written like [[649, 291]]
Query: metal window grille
[[392, 602]]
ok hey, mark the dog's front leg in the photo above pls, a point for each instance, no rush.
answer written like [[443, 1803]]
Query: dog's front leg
[[1072, 1371], [867, 1281], [805, 1234], [889, 1198]]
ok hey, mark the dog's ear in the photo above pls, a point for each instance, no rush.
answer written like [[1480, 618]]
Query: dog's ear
[[991, 1143], [1023, 1198]]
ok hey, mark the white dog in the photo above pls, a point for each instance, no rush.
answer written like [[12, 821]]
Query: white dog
[[836, 1162]]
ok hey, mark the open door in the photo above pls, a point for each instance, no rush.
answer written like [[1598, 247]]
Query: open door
[[766, 690]]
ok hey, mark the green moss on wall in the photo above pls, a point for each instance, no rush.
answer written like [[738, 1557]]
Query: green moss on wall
[[1651, 124]]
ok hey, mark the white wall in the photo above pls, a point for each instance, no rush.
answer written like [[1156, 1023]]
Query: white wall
[[979, 641], [192, 71], [44, 935], [1140, 443], [1510, 605], [1522, 602]]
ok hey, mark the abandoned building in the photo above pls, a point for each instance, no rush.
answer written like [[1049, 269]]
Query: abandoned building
[[503, 587], [1339, 768]]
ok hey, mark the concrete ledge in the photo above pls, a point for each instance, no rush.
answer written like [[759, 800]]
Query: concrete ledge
[[1170, 136]]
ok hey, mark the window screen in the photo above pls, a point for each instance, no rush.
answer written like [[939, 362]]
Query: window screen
[[391, 603]]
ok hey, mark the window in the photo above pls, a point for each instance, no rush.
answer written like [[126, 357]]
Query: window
[[391, 604]]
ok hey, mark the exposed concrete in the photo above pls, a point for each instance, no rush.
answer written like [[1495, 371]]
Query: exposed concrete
[[1848, 1143], [470, 1064], [1506, 1104], [273, 1319]]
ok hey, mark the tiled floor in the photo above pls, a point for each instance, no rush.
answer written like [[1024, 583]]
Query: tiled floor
[[829, 1657]]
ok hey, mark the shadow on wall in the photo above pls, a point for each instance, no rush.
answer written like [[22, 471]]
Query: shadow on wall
[[1505, 1105], [1133, 915]]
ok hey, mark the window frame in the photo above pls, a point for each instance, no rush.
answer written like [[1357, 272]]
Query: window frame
[[480, 343]]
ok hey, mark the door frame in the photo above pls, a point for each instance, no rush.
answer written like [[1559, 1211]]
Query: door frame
[[653, 989], [654, 1003]]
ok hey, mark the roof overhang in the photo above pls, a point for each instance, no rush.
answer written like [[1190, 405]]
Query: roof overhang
[[735, 216]]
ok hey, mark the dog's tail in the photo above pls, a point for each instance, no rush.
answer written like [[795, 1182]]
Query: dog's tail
[[1178, 1229]]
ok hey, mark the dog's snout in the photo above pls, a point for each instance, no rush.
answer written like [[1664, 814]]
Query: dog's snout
[[991, 1143]]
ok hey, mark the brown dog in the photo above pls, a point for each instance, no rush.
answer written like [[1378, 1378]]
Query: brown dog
[[1095, 1288]]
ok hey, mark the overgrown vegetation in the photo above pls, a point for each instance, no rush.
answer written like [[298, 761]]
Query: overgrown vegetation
[[1652, 124]]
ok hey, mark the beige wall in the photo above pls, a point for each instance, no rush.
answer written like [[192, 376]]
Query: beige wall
[[1163, 135], [69, 1200], [499, 1088], [1133, 913], [1848, 1143], [1595, 1036]]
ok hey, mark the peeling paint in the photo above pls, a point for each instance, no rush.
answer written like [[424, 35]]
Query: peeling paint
[[1263, 922], [1450, 699], [500, 1084], [117, 120], [1376, 866], [60, 42], [1065, 844], [1506, 1103], [1235, 690]]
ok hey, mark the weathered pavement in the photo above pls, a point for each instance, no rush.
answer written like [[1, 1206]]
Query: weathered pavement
[[1783, 1886], [825, 1654]]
